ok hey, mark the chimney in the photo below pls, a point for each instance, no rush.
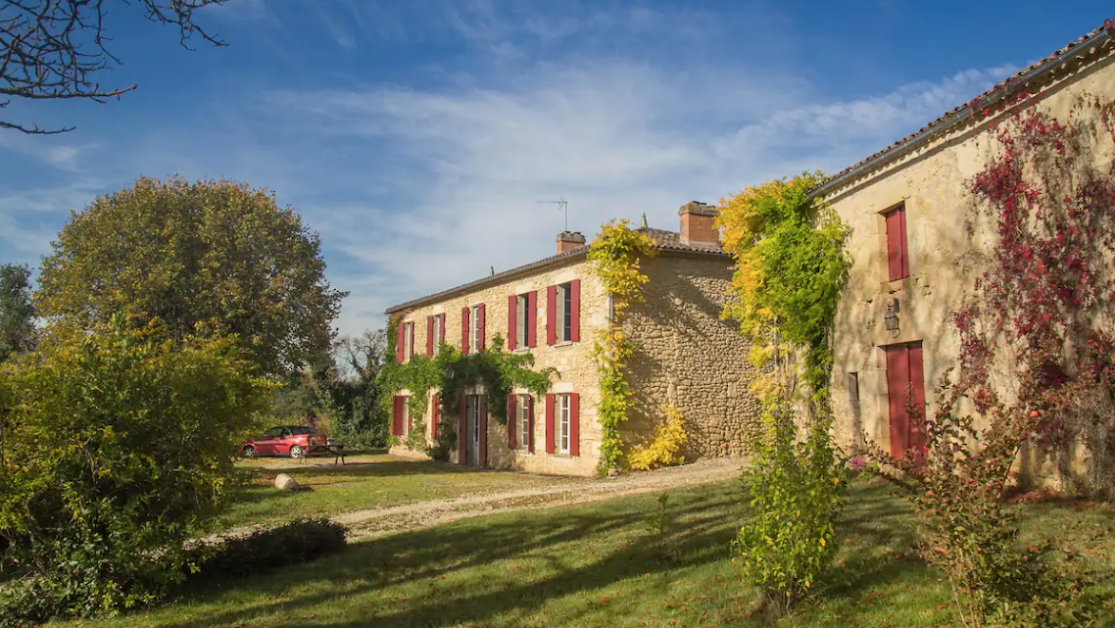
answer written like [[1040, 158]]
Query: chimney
[[569, 240], [698, 224]]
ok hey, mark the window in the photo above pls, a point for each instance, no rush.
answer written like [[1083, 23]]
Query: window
[[406, 416], [563, 416], [476, 331], [302, 431], [523, 408], [408, 341], [565, 313], [522, 315], [898, 255], [274, 432], [435, 334]]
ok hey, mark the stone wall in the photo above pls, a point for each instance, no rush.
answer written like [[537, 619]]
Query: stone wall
[[576, 369], [689, 358], [948, 245]]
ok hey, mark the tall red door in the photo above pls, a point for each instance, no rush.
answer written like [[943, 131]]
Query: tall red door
[[905, 391]]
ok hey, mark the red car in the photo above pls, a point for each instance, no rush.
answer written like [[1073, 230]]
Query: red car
[[288, 440]]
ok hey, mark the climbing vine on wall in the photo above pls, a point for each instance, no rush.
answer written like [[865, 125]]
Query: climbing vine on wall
[[790, 266], [1044, 302], [448, 375], [614, 256]]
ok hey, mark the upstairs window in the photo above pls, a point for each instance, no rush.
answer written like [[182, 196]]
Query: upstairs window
[[476, 331], [408, 341], [521, 322], [563, 313], [898, 255]]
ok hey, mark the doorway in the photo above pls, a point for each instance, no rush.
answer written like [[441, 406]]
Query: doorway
[[906, 398], [475, 430]]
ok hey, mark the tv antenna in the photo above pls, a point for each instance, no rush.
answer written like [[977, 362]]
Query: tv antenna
[[562, 205]]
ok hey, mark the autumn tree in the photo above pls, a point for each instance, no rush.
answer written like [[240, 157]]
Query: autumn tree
[[53, 49], [17, 329], [216, 253]]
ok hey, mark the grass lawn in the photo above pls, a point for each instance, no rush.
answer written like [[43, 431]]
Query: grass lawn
[[597, 565], [365, 482]]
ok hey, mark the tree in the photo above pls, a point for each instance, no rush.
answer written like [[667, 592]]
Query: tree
[[116, 446], [51, 49], [215, 253], [17, 329]]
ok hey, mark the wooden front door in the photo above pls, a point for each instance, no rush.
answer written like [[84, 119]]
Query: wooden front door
[[906, 393], [476, 428]]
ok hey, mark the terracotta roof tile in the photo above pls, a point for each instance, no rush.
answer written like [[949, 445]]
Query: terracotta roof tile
[[668, 241]]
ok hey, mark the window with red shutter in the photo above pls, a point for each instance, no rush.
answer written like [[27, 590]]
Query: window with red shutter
[[531, 319], [399, 344], [575, 310], [429, 336], [898, 256], [574, 424], [551, 315], [465, 329], [550, 400], [512, 322], [441, 328]]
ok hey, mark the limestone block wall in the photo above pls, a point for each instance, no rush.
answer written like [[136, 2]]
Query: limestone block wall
[[689, 358], [576, 369], [949, 243]]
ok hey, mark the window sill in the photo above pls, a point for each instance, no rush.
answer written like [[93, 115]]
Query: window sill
[[563, 343], [897, 285]]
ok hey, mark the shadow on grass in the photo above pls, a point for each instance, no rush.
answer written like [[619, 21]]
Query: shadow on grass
[[551, 537]]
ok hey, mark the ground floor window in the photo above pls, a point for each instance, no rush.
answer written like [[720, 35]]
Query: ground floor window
[[524, 409], [563, 416]]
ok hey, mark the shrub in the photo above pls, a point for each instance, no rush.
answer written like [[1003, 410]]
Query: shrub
[[115, 447], [796, 493], [956, 486], [665, 449], [299, 541]]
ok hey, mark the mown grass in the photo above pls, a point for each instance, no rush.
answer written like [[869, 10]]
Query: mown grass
[[365, 482], [598, 565]]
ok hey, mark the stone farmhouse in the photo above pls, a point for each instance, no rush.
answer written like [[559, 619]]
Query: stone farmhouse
[[687, 357], [916, 246]]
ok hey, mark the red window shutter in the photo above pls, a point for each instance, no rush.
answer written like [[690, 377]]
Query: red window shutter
[[898, 262], [530, 424], [429, 336], [464, 330], [410, 349], [480, 344], [574, 424], [575, 310], [410, 416], [898, 375], [435, 415], [916, 437], [442, 337], [483, 444], [551, 315], [399, 344], [905, 242], [397, 415], [512, 328], [532, 319], [550, 423], [512, 423], [462, 445]]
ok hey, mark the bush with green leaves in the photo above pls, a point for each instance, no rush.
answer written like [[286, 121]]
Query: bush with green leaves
[[116, 446], [797, 490]]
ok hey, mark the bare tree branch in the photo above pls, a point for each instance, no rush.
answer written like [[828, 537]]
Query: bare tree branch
[[51, 49]]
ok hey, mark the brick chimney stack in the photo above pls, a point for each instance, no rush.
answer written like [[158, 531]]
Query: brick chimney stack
[[698, 224], [569, 240]]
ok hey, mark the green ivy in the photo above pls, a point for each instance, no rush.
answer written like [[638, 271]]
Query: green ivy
[[614, 256], [450, 373]]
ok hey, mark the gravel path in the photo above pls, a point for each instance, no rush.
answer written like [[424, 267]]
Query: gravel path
[[382, 521]]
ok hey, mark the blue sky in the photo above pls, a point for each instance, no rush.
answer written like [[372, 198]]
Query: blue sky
[[417, 136]]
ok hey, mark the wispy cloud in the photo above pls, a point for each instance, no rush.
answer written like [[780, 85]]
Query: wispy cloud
[[425, 180]]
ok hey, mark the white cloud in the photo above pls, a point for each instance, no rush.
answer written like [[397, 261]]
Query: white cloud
[[615, 139]]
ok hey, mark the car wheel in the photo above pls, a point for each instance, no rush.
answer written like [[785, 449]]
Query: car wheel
[[249, 452], [296, 451]]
